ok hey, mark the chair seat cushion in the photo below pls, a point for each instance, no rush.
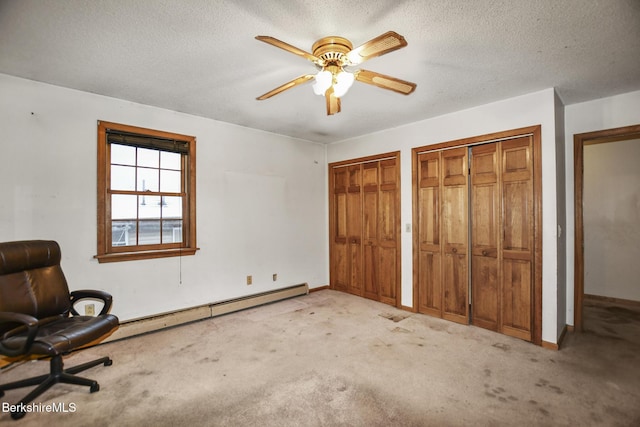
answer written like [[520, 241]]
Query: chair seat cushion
[[63, 335]]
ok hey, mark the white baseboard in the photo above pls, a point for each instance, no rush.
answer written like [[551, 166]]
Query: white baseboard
[[165, 320]]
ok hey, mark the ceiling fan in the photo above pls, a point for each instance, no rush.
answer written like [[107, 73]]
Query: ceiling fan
[[332, 55]]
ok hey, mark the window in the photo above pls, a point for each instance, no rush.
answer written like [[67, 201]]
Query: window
[[146, 193]]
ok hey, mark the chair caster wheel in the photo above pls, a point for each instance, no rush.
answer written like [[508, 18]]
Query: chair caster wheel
[[18, 414], [108, 362], [95, 387]]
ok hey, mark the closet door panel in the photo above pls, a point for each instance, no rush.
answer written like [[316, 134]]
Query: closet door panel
[[517, 159], [454, 164], [485, 222], [388, 225], [429, 218], [455, 235], [354, 229], [485, 218], [370, 211], [429, 269], [341, 270], [517, 288], [355, 270], [430, 284], [370, 230], [371, 276], [517, 212], [388, 273], [430, 272], [339, 253], [389, 203], [430, 290], [517, 237], [455, 282], [485, 293], [454, 217]]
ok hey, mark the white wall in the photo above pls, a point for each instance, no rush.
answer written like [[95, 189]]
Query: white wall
[[48, 175], [561, 195], [261, 200], [611, 212], [528, 110], [600, 114]]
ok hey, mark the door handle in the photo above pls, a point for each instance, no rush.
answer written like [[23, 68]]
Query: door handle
[[484, 252], [454, 250]]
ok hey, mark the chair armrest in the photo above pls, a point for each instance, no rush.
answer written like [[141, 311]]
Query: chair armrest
[[28, 322], [105, 297]]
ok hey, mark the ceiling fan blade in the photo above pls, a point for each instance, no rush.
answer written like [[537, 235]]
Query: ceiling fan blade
[[295, 82], [286, 46], [385, 43], [385, 82], [333, 102]]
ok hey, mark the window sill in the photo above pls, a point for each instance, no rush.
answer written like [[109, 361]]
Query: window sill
[[133, 256]]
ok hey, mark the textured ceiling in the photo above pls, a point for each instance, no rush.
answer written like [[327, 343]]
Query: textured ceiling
[[200, 56]]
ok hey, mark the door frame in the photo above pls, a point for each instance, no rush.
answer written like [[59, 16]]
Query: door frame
[[579, 141], [535, 132]]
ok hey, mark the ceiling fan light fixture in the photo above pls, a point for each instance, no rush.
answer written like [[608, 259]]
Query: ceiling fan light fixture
[[324, 79], [344, 80]]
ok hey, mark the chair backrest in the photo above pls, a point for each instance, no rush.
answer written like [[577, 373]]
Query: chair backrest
[[31, 280]]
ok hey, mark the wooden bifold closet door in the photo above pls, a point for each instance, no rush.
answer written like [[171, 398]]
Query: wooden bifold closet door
[[365, 227], [517, 255], [443, 234], [475, 235]]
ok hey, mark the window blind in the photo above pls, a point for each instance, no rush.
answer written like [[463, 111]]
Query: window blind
[[136, 140]]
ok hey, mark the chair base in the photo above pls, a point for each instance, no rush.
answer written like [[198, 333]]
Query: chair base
[[57, 374]]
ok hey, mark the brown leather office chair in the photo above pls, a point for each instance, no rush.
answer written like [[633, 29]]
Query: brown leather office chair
[[37, 316]]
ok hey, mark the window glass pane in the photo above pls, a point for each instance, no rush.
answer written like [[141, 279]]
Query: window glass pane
[[123, 233], [123, 155], [124, 206], [147, 179], [149, 233], [149, 158], [171, 207], [169, 181], [170, 160], [172, 231], [149, 208], [123, 178]]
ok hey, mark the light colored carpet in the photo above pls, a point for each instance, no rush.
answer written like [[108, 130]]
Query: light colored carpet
[[333, 359]]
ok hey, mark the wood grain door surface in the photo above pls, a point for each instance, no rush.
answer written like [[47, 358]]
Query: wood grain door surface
[[443, 234], [365, 240], [478, 206]]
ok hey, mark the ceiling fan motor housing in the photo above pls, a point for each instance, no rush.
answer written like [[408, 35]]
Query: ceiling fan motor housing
[[332, 50]]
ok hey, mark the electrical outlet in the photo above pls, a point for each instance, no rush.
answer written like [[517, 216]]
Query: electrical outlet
[[249, 280], [275, 277], [90, 310]]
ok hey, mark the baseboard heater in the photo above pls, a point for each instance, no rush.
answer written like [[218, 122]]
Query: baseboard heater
[[174, 318]]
